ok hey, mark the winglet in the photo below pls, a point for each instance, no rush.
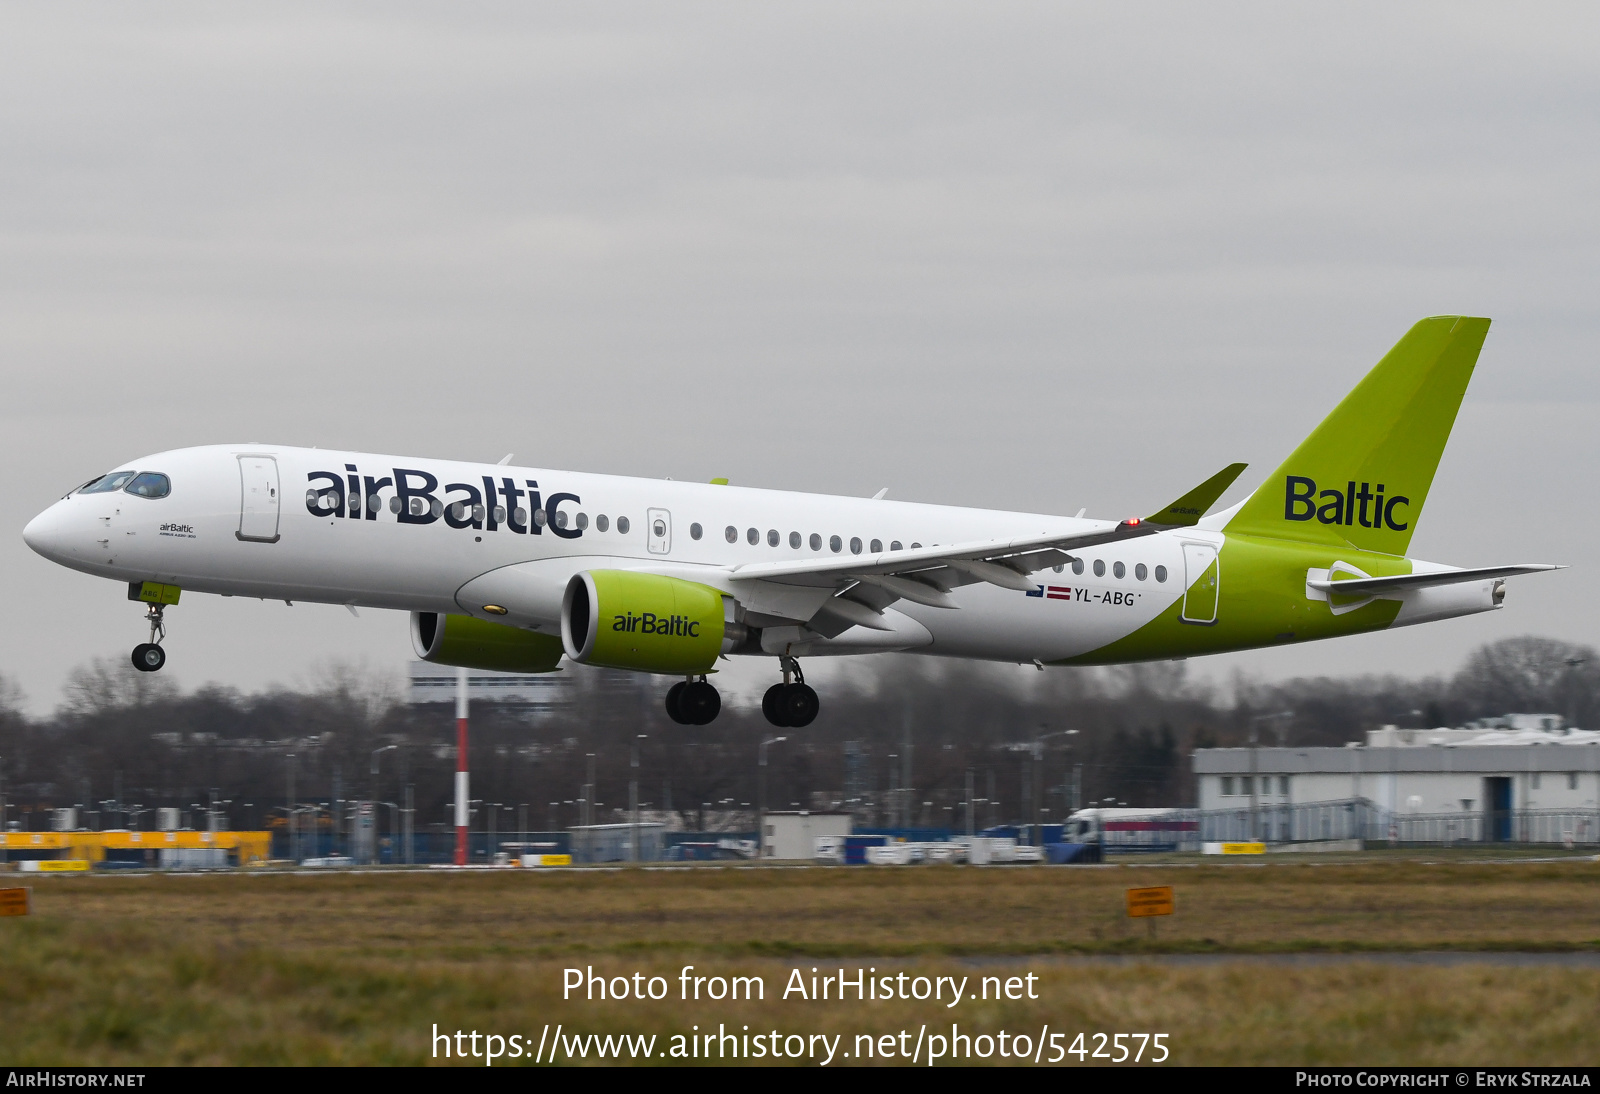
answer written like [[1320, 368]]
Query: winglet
[[1188, 509]]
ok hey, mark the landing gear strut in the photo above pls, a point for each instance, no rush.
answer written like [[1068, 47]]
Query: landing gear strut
[[149, 656], [693, 702], [790, 705]]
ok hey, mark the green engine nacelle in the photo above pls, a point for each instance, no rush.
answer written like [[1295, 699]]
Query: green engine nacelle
[[480, 644], [626, 620]]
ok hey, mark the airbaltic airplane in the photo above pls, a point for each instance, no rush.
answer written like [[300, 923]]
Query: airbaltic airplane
[[513, 567]]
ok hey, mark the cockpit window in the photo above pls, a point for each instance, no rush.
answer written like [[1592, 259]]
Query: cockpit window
[[150, 484], [105, 484]]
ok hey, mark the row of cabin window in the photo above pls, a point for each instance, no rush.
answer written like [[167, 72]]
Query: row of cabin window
[[1118, 570], [1266, 784], [460, 511], [775, 538]]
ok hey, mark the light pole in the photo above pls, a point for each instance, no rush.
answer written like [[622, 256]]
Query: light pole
[[761, 792], [633, 795], [289, 817], [1037, 834], [970, 831], [408, 831], [894, 791], [373, 812], [1255, 741]]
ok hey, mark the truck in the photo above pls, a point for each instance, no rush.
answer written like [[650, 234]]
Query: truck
[[1125, 830]]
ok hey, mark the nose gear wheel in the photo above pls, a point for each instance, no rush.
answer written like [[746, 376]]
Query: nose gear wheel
[[149, 656]]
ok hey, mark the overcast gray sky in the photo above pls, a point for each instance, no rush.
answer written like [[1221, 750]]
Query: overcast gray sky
[[1032, 256]]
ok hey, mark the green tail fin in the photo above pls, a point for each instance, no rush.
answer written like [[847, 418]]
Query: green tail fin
[[1362, 476]]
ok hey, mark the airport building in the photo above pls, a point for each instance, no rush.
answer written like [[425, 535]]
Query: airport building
[[541, 692], [793, 834], [1521, 778]]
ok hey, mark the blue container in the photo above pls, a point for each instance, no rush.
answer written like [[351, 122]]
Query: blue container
[[855, 848]]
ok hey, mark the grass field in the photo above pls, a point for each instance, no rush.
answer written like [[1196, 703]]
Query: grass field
[[358, 968]]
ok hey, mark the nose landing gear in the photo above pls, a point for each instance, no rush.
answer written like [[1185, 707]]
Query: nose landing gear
[[790, 705], [693, 702], [149, 656]]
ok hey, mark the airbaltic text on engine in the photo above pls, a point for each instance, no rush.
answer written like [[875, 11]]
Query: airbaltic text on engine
[[650, 623]]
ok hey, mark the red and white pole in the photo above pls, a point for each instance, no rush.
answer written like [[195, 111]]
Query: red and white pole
[[462, 790]]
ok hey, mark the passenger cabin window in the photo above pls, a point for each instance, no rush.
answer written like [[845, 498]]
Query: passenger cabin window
[[731, 534], [894, 545], [1077, 565], [1119, 570], [835, 544], [150, 484], [602, 524], [794, 540], [816, 542], [1161, 573], [695, 531], [773, 539], [1099, 567], [107, 484], [877, 546], [622, 525]]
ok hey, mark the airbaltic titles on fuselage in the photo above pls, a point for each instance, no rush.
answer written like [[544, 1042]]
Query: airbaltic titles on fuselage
[[415, 499]]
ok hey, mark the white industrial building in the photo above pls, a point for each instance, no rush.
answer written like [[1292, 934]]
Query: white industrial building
[[793, 835], [539, 692], [1520, 778]]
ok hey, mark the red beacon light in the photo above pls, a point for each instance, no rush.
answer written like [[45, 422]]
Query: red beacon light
[[1133, 522]]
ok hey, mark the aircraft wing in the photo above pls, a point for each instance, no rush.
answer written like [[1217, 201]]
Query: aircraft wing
[[1004, 559], [864, 585], [1377, 586]]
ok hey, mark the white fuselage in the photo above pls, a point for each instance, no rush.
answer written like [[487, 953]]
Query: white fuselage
[[224, 528]]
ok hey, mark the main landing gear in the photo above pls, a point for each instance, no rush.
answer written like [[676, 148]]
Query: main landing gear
[[693, 702], [149, 656], [790, 705]]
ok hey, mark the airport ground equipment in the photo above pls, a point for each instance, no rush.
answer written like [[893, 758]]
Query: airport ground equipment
[[243, 848]]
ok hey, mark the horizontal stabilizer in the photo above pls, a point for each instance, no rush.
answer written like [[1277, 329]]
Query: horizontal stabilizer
[[1188, 510], [1376, 586]]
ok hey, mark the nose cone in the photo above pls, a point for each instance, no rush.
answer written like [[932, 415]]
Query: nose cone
[[50, 533]]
